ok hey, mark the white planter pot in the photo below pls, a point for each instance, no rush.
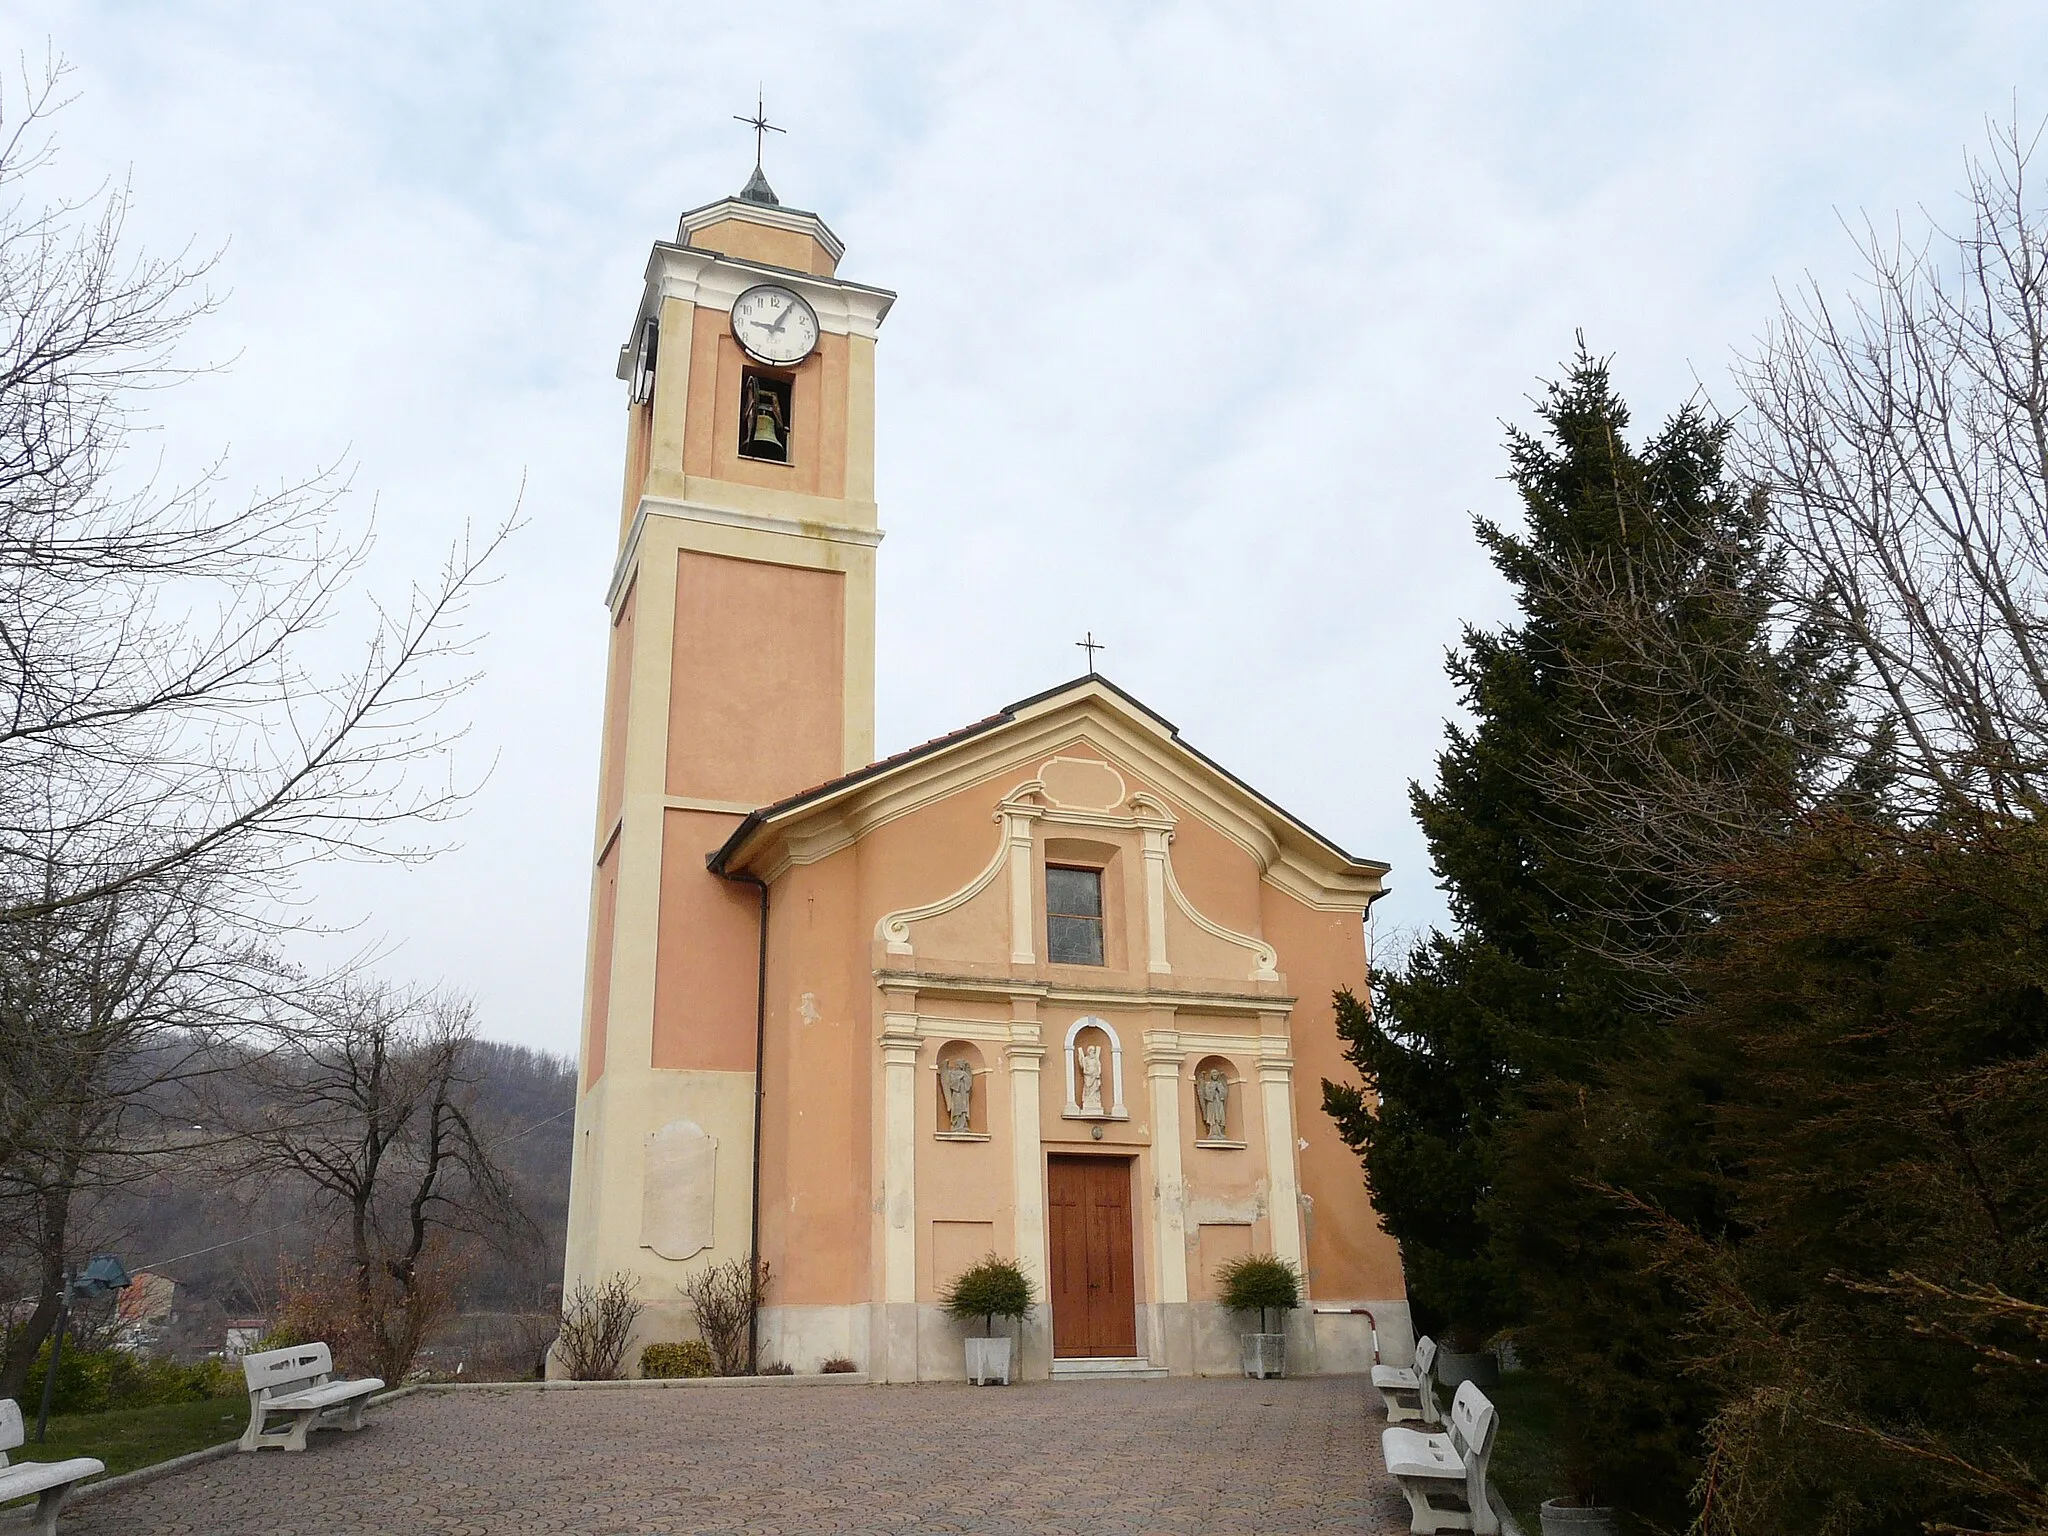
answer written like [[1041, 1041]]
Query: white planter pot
[[1481, 1369], [1574, 1520], [1265, 1354], [988, 1360]]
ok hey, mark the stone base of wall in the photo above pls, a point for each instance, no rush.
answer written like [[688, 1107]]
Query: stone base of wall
[[906, 1342]]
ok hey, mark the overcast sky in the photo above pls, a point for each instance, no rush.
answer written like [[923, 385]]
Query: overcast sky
[[1210, 317]]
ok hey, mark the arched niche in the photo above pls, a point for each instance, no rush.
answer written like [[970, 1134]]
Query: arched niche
[[943, 1064], [1086, 1033], [1229, 1092]]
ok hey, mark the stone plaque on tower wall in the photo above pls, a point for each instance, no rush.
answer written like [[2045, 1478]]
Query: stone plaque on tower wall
[[675, 1199]]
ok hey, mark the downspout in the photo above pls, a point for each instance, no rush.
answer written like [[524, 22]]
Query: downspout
[[760, 1091]]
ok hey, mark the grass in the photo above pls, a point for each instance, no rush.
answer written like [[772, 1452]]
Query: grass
[[1525, 1462], [128, 1438]]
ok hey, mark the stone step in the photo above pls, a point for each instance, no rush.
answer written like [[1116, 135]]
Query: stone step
[[1100, 1369]]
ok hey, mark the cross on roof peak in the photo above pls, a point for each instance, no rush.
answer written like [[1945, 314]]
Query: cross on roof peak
[[757, 189], [1091, 645], [761, 126]]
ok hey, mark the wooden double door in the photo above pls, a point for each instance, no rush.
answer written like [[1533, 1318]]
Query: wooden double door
[[1094, 1297]]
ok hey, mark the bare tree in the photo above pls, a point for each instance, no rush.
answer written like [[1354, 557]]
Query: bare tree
[[1902, 438], [169, 749], [369, 1097], [596, 1325], [110, 1011], [156, 702]]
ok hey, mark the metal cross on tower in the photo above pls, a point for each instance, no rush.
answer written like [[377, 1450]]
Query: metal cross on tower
[[761, 126], [1091, 645]]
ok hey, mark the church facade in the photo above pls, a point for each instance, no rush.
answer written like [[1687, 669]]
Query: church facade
[[1055, 986]]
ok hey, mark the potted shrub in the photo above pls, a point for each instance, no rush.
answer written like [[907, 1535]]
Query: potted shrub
[[991, 1289], [1264, 1284], [1582, 1452]]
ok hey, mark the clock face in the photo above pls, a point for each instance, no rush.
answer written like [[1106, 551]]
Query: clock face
[[774, 325]]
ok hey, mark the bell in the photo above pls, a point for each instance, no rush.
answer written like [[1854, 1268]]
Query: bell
[[766, 433]]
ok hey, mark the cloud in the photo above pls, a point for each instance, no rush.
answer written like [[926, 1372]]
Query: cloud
[[1209, 319]]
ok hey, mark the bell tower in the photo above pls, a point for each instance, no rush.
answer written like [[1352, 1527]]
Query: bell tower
[[742, 657]]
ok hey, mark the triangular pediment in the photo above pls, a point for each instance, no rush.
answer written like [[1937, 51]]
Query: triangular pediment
[[1066, 727]]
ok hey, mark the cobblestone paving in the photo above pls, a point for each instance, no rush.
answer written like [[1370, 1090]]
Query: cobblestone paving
[[1150, 1458]]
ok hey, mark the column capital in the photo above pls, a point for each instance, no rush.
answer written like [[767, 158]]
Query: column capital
[[1164, 1054], [900, 1039]]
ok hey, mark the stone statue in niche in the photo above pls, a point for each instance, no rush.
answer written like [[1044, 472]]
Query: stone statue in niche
[[956, 1081], [1088, 1059], [1212, 1092]]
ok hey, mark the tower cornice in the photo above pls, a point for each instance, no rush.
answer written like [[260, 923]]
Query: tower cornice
[[773, 215], [714, 280]]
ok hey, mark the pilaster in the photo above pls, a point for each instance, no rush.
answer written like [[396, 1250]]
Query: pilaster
[[1276, 1095], [1156, 839], [1164, 1059], [1017, 821], [1023, 1059], [629, 1024], [899, 1042]]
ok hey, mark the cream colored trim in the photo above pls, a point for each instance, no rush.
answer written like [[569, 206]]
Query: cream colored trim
[[1157, 873], [1264, 959], [913, 786], [722, 807], [1288, 858], [611, 1133], [671, 402], [1321, 889], [1276, 1094], [1116, 1110], [795, 220], [712, 281], [933, 1026], [1017, 821], [1219, 1042], [808, 530], [1164, 1059], [943, 984], [763, 522], [899, 1161], [1027, 1168], [1123, 790], [893, 928]]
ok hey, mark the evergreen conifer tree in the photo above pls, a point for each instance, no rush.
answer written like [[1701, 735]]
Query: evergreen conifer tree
[[1626, 732]]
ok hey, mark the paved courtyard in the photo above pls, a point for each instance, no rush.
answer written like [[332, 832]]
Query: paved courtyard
[[1149, 1458]]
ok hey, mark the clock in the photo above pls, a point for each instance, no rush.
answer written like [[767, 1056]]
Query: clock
[[774, 325]]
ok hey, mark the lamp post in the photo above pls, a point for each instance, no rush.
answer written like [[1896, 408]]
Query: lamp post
[[105, 1273]]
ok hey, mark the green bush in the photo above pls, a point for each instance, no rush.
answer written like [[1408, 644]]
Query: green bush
[[1259, 1282], [96, 1380], [991, 1289], [673, 1362]]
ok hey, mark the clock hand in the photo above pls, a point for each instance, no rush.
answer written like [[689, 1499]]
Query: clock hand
[[778, 325]]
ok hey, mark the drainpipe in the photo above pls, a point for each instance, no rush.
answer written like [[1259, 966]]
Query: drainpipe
[[760, 1090]]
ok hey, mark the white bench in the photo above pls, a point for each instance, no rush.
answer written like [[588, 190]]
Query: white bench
[[296, 1383], [1444, 1476], [51, 1480], [1410, 1391]]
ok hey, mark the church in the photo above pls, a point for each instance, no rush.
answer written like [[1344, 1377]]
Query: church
[[1056, 986]]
